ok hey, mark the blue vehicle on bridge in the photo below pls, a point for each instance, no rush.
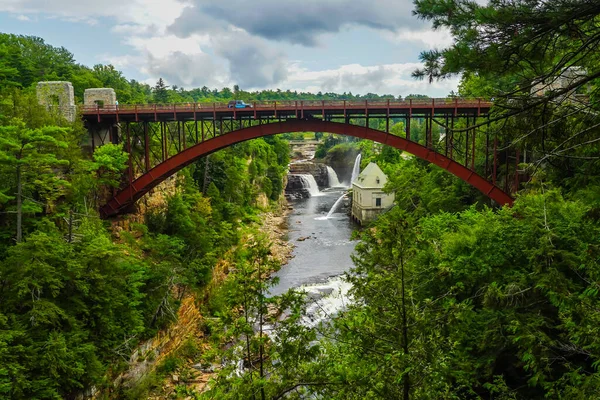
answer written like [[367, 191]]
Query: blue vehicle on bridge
[[238, 104]]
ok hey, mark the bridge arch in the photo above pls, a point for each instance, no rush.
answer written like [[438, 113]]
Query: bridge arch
[[125, 198]]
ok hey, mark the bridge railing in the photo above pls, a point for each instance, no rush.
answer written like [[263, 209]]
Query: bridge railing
[[287, 104]]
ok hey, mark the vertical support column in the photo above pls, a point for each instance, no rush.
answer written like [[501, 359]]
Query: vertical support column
[[473, 151], [165, 141], [408, 120], [429, 134], [517, 156], [366, 114], [114, 133], [495, 166], [430, 140], [487, 148], [130, 162], [214, 116], [452, 136], [93, 133], [467, 145], [146, 147], [387, 117], [446, 136], [506, 152], [426, 142]]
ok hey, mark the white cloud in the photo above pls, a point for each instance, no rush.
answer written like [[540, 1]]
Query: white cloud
[[298, 22], [429, 38], [143, 12], [383, 79], [193, 43], [188, 70], [163, 45]]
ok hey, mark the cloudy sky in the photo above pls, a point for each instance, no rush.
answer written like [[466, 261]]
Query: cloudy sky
[[310, 45]]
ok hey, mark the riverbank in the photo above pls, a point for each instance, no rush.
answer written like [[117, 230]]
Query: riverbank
[[275, 226], [169, 363]]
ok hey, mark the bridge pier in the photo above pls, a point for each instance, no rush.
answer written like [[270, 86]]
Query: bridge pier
[[102, 132]]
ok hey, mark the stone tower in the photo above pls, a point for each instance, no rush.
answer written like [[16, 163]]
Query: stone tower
[[99, 96], [57, 97]]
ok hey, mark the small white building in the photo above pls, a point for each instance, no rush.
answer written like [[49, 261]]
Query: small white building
[[368, 198]]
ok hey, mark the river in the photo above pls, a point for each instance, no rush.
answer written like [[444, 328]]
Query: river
[[322, 253]]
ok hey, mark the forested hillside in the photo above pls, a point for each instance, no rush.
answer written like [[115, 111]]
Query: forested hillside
[[453, 297], [75, 296]]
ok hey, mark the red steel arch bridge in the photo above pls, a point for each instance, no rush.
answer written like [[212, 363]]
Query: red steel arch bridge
[[162, 139]]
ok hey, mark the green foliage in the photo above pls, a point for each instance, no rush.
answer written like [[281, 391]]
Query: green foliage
[[498, 304], [28, 156], [161, 95], [72, 301], [244, 310], [452, 299], [109, 163]]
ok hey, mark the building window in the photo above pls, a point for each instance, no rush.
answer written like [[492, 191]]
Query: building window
[[377, 180], [378, 202]]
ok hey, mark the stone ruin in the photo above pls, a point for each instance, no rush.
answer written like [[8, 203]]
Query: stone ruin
[[99, 96], [103, 98], [57, 96]]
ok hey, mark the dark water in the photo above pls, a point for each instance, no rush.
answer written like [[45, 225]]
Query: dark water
[[325, 253]]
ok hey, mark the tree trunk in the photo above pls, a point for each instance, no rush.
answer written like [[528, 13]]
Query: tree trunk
[[19, 204], [260, 327], [205, 183], [406, 377], [70, 226], [248, 352]]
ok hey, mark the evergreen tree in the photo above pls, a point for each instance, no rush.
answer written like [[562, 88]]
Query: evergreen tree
[[30, 155], [160, 92]]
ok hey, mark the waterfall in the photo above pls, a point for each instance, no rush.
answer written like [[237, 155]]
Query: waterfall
[[355, 169], [335, 205], [309, 182], [333, 178]]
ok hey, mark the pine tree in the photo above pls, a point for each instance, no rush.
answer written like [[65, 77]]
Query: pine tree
[[160, 92], [30, 155]]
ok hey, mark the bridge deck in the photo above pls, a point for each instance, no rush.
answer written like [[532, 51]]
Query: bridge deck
[[297, 109]]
